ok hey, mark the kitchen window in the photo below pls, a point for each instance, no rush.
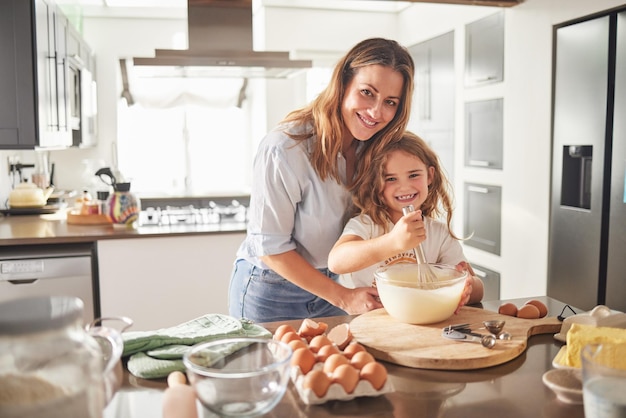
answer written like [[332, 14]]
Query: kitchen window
[[191, 136], [184, 137]]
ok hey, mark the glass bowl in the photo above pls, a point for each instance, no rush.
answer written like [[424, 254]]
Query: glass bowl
[[414, 302], [239, 377]]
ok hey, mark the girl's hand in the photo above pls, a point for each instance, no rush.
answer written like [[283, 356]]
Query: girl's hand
[[467, 293], [409, 231], [474, 289]]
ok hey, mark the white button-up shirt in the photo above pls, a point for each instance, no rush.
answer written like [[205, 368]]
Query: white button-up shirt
[[290, 207]]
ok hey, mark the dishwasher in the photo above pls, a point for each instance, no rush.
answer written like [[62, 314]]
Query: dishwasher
[[50, 270]]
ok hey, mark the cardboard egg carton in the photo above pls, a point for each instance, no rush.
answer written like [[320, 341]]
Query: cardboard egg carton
[[335, 390], [340, 337]]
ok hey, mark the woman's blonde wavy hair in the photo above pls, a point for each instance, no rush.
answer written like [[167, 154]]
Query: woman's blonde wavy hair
[[324, 112], [367, 193]]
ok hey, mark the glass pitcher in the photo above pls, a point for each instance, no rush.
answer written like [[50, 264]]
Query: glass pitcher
[[50, 366]]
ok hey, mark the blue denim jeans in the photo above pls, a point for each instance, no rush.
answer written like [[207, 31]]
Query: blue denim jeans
[[263, 296]]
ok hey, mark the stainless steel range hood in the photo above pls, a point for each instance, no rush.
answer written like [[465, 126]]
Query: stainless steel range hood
[[220, 45]]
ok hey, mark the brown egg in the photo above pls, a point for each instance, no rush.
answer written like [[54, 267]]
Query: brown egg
[[303, 358], [295, 344], [290, 336], [347, 376], [317, 381], [326, 352], [333, 361], [309, 328], [340, 335], [318, 342], [361, 358], [352, 349], [528, 312], [508, 309], [375, 373], [543, 309], [282, 330]]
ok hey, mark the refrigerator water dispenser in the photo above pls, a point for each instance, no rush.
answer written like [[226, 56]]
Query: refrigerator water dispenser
[[576, 176]]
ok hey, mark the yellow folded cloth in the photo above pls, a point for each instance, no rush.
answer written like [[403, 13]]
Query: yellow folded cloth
[[579, 335]]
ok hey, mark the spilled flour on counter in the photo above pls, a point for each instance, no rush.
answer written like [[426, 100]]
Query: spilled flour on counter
[[32, 396], [19, 390]]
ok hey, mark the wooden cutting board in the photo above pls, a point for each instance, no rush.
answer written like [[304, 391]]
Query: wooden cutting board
[[422, 346]]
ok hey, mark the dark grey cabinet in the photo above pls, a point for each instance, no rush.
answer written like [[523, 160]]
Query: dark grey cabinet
[[40, 76], [484, 50], [17, 79], [482, 216], [484, 133]]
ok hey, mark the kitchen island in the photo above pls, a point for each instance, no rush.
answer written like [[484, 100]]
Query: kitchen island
[[513, 389]]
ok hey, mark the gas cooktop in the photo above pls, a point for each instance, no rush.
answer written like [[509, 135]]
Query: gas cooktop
[[191, 215]]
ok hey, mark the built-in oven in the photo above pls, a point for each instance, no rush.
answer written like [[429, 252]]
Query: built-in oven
[[50, 270]]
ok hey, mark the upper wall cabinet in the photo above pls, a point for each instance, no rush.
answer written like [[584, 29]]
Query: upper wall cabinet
[[484, 51], [434, 96], [484, 133], [41, 71], [17, 87]]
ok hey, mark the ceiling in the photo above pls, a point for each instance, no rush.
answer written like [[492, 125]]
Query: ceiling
[[178, 8]]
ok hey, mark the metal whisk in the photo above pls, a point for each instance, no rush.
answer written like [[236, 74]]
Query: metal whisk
[[425, 273]]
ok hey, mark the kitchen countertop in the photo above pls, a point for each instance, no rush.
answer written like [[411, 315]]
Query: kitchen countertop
[[54, 229], [513, 389]]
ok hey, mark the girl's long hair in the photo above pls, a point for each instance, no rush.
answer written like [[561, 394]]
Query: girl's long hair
[[367, 193], [324, 113]]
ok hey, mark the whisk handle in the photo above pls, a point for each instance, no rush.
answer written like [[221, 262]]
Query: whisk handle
[[418, 251]]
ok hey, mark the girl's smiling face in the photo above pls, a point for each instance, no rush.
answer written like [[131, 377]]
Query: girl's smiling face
[[371, 101], [406, 179]]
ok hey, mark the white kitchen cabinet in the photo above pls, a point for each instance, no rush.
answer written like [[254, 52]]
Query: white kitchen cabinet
[[164, 281], [484, 50]]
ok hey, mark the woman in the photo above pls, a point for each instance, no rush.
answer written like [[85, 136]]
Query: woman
[[406, 172], [300, 197]]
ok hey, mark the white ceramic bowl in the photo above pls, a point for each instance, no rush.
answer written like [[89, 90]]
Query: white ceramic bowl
[[566, 383], [412, 302], [239, 377]]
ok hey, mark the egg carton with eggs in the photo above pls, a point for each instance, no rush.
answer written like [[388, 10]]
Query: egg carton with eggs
[[331, 366], [335, 391]]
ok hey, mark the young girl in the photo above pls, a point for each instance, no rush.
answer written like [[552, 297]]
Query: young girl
[[406, 172]]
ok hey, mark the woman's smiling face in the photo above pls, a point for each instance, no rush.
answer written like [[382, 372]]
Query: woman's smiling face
[[371, 100], [406, 180]]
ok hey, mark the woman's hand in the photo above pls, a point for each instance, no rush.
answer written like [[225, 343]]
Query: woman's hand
[[361, 300]]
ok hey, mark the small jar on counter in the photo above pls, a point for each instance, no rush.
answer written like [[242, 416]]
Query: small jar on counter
[[88, 206]]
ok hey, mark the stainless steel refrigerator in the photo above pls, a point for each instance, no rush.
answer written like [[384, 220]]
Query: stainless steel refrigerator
[[587, 249]]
